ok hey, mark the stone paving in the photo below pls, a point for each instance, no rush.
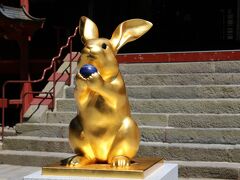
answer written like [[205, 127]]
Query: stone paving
[[13, 172]]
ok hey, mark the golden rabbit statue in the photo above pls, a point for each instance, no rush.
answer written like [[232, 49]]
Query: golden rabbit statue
[[104, 131]]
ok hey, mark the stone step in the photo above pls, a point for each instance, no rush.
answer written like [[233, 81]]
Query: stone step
[[179, 79], [201, 170], [149, 133], [182, 92], [212, 106], [182, 178], [57, 130], [179, 68], [141, 118], [161, 119], [8, 131], [183, 67], [31, 158], [35, 143], [191, 135], [170, 151], [191, 151], [182, 79]]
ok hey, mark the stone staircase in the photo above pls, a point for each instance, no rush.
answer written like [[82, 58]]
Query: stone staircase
[[188, 113]]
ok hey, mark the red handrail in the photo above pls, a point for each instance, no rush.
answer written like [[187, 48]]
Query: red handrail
[[52, 94]]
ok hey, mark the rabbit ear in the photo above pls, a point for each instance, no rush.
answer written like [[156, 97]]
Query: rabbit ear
[[128, 31], [88, 29]]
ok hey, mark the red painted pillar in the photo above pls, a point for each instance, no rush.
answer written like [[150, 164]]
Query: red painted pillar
[[25, 4]]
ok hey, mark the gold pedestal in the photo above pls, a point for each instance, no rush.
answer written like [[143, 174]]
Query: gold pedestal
[[140, 168]]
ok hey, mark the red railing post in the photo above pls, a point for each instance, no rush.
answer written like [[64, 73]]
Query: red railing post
[[3, 111], [54, 85], [70, 68], [27, 87]]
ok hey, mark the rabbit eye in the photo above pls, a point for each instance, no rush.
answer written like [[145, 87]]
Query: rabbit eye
[[104, 46]]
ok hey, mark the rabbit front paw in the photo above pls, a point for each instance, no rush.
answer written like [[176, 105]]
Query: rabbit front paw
[[95, 81], [77, 161], [120, 161], [80, 82]]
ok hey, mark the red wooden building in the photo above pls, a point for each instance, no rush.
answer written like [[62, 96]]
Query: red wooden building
[[16, 24]]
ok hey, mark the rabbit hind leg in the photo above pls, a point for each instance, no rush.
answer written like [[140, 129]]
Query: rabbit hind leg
[[83, 150], [80, 145], [125, 145]]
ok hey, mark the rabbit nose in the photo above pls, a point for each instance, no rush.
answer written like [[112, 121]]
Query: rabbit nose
[[89, 47], [93, 48]]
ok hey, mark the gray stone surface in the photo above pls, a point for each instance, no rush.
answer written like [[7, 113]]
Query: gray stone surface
[[191, 151], [227, 66], [228, 170], [148, 133], [214, 106], [187, 178], [164, 119], [8, 131], [14, 172], [182, 92], [60, 117], [36, 113], [204, 120], [187, 112], [182, 79], [66, 65], [170, 151], [167, 68], [215, 170], [42, 129], [34, 143], [151, 119], [31, 158], [190, 135], [184, 67], [58, 89]]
